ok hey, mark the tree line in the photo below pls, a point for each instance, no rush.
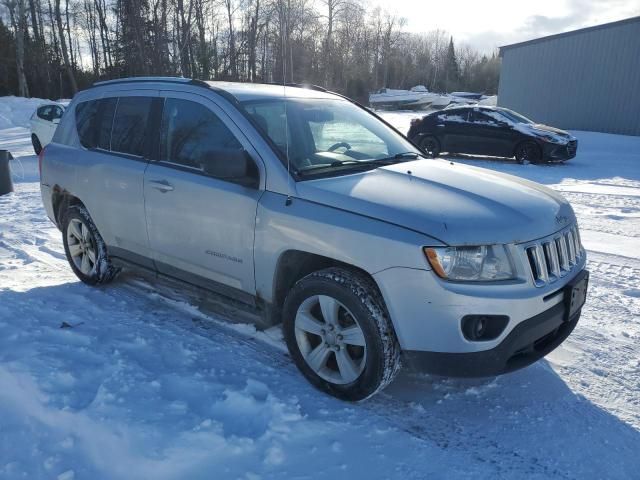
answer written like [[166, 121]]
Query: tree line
[[52, 48]]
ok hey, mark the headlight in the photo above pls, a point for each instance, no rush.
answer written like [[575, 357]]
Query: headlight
[[476, 264], [549, 137]]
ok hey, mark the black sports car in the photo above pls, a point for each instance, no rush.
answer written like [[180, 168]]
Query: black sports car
[[493, 131]]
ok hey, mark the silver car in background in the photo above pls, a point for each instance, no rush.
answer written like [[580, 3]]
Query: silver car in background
[[316, 213]]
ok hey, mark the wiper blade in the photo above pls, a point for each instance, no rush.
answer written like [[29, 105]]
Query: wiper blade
[[321, 166], [404, 156], [373, 163], [407, 155], [339, 163]]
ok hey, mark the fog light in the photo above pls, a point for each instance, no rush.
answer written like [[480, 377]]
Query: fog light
[[477, 328]]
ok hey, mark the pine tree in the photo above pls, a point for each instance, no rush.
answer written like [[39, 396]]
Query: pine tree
[[452, 69]]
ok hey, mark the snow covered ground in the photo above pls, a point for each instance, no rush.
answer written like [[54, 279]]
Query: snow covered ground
[[142, 384]]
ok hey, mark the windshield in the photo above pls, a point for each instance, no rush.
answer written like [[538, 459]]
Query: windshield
[[513, 116], [323, 134]]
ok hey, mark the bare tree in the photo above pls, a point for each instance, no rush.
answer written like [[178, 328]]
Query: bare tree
[[233, 66], [19, 23], [63, 47]]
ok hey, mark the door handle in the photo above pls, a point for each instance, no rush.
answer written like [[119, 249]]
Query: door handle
[[161, 185], [440, 125]]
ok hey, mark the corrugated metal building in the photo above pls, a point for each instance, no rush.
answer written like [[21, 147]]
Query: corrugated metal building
[[587, 79]]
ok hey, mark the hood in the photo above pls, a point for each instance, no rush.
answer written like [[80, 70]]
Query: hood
[[540, 129], [454, 203], [547, 128]]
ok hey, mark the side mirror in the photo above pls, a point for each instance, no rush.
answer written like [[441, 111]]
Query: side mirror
[[231, 164]]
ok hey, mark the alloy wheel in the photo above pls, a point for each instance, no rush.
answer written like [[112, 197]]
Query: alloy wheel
[[81, 246], [526, 153], [330, 339]]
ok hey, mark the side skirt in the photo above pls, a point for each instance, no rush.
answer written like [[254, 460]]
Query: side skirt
[[210, 297]]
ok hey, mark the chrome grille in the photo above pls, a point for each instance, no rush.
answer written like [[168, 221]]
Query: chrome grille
[[554, 257]]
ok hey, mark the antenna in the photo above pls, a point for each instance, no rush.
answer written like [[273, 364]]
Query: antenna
[[284, 35]]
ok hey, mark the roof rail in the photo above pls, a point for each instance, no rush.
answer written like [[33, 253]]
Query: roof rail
[[180, 80], [199, 83], [308, 86]]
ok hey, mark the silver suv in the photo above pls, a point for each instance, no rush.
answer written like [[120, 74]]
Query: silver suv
[[322, 217]]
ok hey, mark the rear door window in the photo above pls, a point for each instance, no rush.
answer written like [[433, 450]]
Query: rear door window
[[189, 131], [456, 116], [130, 125], [45, 113]]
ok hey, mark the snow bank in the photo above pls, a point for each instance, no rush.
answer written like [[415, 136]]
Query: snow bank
[[16, 111], [491, 101]]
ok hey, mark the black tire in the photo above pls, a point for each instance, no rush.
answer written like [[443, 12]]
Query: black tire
[[430, 145], [528, 152], [37, 146], [362, 299], [102, 270]]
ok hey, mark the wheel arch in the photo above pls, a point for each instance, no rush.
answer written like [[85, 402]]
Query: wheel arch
[[524, 140], [293, 265], [61, 200]]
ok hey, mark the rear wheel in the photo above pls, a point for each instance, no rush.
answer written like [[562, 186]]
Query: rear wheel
[[528, 152], [430, 145], [37, 146], [339, 334], [85, 249]]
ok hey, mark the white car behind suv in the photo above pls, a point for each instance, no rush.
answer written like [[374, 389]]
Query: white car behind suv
[[44, 122]]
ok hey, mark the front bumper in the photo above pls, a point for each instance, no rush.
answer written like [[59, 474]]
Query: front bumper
[[557, 153], [529, 341]]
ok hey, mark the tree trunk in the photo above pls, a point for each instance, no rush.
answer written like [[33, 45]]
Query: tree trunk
[[252, 42], [104, 34], [233, 66], [328, 49], [183, 34], [35, 24], [63, 47], [68, 22], [19, 21]]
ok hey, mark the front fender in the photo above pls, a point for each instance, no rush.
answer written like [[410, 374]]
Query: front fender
[[369, 244]]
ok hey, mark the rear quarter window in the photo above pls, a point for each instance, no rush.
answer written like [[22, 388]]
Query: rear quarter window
[[93, 122], [86, 116]]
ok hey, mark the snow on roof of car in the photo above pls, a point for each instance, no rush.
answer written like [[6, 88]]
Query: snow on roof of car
[[255, 91]]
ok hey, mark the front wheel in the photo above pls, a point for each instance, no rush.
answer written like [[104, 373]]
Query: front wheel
[[339, 334], [528, 152], [85, 248], [430, 145]]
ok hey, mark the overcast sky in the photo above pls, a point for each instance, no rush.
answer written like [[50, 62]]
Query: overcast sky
[[486, 24]]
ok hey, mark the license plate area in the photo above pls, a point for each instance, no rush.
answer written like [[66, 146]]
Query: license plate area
[[575, 294]]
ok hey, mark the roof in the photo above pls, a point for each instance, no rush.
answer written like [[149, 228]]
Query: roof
[[468, 105], [570, 33], [242, 91]]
